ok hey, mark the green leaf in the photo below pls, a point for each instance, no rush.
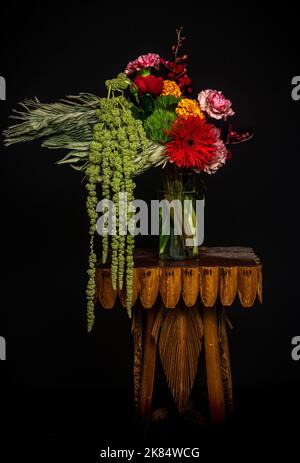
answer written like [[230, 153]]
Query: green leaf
[[137, 113], [163, 241], [166, 102], [68, 161], [147, 103]]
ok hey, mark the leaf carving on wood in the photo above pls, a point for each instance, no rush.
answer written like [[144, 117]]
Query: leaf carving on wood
[[179, 345], [135, 290], [158, 323], [106, 294], [247, 285], [259, 287], [149, 284]]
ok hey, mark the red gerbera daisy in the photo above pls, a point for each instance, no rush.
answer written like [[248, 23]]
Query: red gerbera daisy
[[194, 143]]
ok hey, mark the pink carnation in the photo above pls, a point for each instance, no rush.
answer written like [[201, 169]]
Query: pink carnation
[[215, 104], [151, 60], [221, 156]]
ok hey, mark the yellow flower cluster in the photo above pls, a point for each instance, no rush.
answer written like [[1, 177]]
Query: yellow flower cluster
[[187, 107], [170, 88]]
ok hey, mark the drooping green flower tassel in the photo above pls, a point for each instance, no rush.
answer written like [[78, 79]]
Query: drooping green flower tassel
[[118, 151]]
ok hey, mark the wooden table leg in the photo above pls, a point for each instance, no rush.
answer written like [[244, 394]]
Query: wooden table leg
[[149, 360], [213, 365], [225, 362], [137, 333]]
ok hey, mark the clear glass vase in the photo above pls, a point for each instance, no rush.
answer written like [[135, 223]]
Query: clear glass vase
[[181, 214]]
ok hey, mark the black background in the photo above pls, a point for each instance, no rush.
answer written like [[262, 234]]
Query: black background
[[61, 386]]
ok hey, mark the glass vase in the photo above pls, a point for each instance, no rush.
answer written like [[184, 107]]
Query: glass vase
[[181, 214]]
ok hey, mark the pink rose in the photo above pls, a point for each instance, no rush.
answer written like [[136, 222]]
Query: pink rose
[[151, 60], [214, 103]]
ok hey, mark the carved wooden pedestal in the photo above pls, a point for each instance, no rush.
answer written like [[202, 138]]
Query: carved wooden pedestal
[[177, 305]]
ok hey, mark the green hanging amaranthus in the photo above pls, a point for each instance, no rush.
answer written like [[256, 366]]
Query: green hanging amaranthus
[[118, 150], [109, 146]]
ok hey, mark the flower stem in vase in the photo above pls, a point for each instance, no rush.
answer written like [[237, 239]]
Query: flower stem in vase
[[180, 194]]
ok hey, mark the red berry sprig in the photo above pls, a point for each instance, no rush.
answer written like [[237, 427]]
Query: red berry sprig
[[178, 66]]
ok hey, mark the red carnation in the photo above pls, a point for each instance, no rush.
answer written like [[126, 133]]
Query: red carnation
[[194, 143], [149, 84]]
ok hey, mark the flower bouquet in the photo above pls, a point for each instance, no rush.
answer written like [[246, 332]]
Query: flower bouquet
[[147, 119]]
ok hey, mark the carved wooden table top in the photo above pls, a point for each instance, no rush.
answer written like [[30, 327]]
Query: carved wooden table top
[[218, 271]]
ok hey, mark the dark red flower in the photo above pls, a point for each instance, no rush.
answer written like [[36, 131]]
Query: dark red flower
[[178, 73], [149, 84], [180, 68], [194, 143], [184, 81], [171, 75]]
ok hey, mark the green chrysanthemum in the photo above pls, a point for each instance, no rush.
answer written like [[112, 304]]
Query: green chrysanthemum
[[158, 123]]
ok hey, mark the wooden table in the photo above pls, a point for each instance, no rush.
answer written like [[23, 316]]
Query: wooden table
[[177, 304]]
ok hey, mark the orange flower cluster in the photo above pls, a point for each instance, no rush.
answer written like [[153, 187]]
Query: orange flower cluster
[[170, 88], [188, 107]]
